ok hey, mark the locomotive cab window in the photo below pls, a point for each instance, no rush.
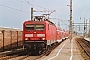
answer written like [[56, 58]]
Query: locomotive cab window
[[40, 27], [34, 27], [29, 27]]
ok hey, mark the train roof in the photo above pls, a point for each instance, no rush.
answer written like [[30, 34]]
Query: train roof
[[41, 18], [45, 20]]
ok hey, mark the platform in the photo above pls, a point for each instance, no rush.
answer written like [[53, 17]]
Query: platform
[[88, 39], [65, 51]]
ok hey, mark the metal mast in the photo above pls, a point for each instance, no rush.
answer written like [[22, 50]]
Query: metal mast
[[70, 20], [31, 13], [89, 29]]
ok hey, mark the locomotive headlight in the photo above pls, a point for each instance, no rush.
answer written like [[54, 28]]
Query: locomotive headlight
[[43, 38], [26, 38]]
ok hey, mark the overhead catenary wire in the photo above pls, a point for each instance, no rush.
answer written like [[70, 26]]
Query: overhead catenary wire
[[27, 2], [34, 6], [31, 4], [14, 8], [22, 1], [40, 7], [45, 10]]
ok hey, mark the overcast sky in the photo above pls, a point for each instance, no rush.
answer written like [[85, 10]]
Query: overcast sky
[[14, 12]]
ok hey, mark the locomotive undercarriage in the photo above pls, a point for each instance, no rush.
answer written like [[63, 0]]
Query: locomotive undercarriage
[[35, 47]]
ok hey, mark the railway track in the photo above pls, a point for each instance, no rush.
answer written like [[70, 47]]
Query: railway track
[[85, 46], [20, 56], [15, 56], [12, 54], [4, 57], [86, 42], [24, 55]]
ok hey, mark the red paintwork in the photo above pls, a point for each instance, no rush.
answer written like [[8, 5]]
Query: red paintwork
[[51, 31]]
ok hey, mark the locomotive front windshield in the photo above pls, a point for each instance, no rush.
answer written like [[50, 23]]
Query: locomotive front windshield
[[34, 27]]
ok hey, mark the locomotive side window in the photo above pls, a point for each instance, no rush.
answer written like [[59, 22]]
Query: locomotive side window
[[30, 27], [39, 27]]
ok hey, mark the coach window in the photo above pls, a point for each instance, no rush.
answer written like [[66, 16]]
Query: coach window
[[29, 27]]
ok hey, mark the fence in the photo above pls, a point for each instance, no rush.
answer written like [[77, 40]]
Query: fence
[[10, 40]]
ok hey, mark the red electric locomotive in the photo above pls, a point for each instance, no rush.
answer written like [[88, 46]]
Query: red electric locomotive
[[39, 34]]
